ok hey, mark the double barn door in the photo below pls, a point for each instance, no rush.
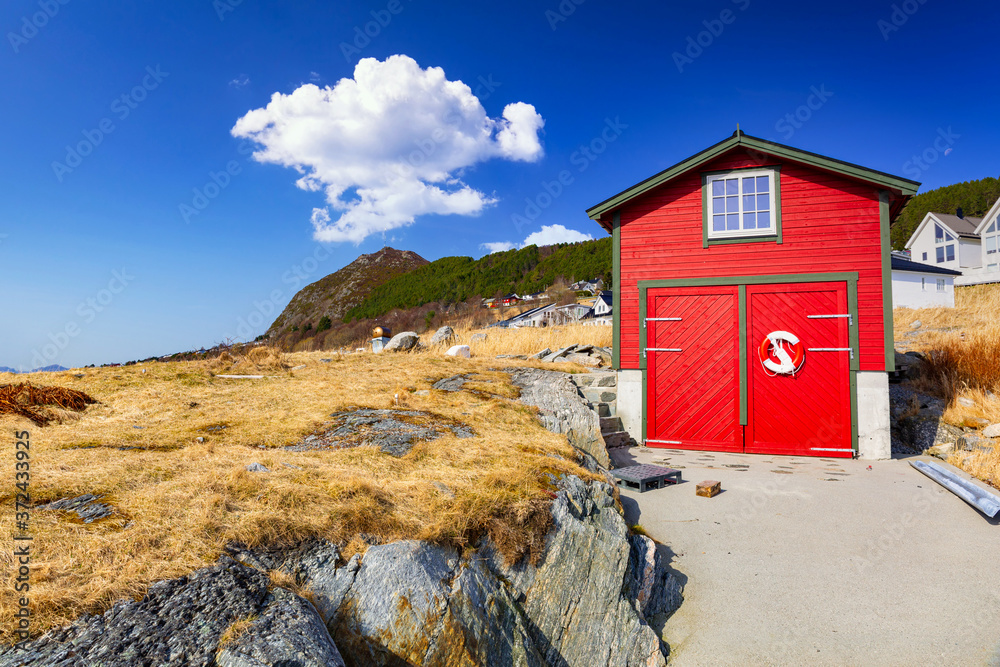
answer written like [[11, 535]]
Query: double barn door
[[707, 384]]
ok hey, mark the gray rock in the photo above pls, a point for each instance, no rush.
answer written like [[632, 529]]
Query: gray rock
[[971, 443], [559, 353], [257, 467], [512, 356], [178, 622], [585, 603], [562, 409], [583, 360], [580, 600], [288, 632], [85, 507], [395, 432], [453, 383], [479, 336], [992, 431], [402, 342], [539, 355], [443, 336], [916, 324], [921, 434], [966, 402], [942, 451]]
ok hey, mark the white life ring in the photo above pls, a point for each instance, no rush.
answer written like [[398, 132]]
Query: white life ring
[[787, 348]]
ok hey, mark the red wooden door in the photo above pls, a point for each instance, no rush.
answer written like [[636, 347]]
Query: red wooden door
[[808, 413], [692, 362]]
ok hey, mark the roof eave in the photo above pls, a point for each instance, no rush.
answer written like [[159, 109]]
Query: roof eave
[[902, 186]]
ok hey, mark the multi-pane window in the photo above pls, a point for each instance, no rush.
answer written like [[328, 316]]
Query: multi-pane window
[[940, 284], [741, 204], [944, 245], [991, 240]]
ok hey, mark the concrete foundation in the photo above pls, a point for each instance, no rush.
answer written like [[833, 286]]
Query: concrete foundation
[[630, 402], [874, 441]]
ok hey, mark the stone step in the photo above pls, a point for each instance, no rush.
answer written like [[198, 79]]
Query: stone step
[[597, 379], [610, 424], [605, 409], [617, 439], [599, 394]]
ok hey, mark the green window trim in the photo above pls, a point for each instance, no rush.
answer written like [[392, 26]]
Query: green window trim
[[775, 238]]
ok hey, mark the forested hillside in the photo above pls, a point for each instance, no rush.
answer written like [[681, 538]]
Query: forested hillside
[[456, 279], [974, 198]]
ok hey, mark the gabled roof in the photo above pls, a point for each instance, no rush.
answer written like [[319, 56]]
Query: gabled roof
[[900, 264], [995, 211], [608, 297], [901, 186], [963, 227]]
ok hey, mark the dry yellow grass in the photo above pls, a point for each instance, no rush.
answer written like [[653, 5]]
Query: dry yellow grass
[[178, 501], [962, 345], [529, 340]]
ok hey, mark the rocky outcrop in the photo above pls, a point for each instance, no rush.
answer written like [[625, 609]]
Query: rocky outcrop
[[585, 603], [562, 409], [395, 432], [180, 622], [443, 336]]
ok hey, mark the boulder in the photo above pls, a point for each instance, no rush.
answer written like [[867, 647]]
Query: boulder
[[479, 336], [288, 632], [257, 467], [942, 451], [443, 336], [562, 409], [402, 342], [583, 360], [992, 431], [539, 355], [916, 324], [559, 353], [966, 402], [971, 443], [459, 351]]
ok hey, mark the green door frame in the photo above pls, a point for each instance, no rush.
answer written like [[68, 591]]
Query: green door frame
[[850, 278]]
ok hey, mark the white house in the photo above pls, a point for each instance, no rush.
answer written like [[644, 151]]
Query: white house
[[917, 285], [989, 262], [604, 305], [947, 241]]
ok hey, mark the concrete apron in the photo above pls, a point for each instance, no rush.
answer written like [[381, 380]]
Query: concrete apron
[[821, 561]]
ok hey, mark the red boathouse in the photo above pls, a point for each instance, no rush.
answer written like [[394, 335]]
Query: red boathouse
[[753, 302]]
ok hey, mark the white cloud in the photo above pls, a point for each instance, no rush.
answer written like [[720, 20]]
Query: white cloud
[[314, 76], [388, 145], [499, 246], [552, 234], [547, 235], [241, 81]]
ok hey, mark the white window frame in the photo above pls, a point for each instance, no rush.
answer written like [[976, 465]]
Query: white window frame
[[740, 174], [948, 239], [991, 257], [941, 283]]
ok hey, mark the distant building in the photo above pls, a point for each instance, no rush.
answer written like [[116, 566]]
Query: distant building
[[605, 304], [592, 286], [918, 285], [960, 243]]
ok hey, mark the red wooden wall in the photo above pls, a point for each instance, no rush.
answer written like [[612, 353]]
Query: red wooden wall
[[829, 224]]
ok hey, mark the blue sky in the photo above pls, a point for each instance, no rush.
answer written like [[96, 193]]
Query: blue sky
[[102, 262]]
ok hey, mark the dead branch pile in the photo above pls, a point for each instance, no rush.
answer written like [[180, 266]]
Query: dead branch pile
[[29, 401]]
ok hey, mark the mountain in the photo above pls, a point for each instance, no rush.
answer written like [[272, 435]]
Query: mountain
[[457, 279], [975, 198], [7, 369], [337, 293], [50, 369]]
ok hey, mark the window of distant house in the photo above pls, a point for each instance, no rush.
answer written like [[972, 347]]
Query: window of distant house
[[991, 242], [944, 243], [742, 203], [940, 284], [925, 256], [923, 284]]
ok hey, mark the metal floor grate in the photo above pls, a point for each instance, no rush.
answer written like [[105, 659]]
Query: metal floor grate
[[646, 477]]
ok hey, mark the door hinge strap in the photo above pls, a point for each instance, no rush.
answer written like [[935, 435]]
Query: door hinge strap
[[666, 442], [827, 449], [660, 349], [661, 319], [850, 318]]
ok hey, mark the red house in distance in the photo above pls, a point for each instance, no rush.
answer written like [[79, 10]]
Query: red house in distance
[[753, 302]]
